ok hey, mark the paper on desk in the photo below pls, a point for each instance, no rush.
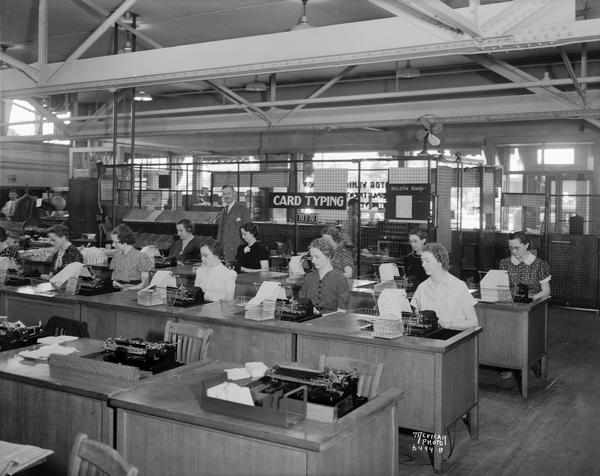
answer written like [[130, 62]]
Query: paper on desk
[[237, 373], [150, 250], [43, 288], [56, 339], [295, 266], [495, 278], [231, 392], [387, 271], [393, 302], [45, 351], [7, 263], [256, 369], [268, 291], [163, 278], [72, 269]]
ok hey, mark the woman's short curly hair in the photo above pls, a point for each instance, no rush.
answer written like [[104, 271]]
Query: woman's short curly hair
[[124, 234], [333, 232], [323, 245], [61, 231], [439, 252], [215, 248], [521, 236]]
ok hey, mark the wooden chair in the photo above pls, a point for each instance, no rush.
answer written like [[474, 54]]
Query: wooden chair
[[90, 458], [192, 341], [57, 326], [368, 374]]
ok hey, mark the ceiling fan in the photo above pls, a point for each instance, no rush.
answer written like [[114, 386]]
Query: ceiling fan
[[429, 135]]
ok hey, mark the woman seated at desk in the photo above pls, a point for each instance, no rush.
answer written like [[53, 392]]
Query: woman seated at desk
[[187, 247], [412, 261], [326, 287], [66, 253], [130, 266], [342, 257], [252, 256], [525, 268], [443, 293], [8, 248], [217, 281]]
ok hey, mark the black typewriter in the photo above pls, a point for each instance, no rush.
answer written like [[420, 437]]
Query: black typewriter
[[422, 323], [16, 278], [17, 334], [335, 388], [295, 311], [183, 296], [164, 262], [94, 286], [152, 356]]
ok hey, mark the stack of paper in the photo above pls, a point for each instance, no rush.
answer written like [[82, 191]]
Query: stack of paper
[[56, 339], [387, 271], [268, 291], [20, 457], [45, 351], [393, 302], [231, 392]]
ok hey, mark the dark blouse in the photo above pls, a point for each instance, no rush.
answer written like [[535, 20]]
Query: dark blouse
[[342, 258], [11, 252], [252, 259], [414, 267], [190, 252], [529, 274], [72, 255], [328, 294]]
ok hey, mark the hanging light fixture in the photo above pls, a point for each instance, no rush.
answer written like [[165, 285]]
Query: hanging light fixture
[[142, 96], [256, 86], [303, 22]]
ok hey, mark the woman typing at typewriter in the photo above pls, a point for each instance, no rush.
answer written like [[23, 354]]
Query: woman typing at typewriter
[[525, 268], [443, 293], [131, 268], [187, 247], [217, 281], [66, 253], [326, 287]]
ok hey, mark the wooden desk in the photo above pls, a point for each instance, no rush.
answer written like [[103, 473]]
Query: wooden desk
[[22, 303], [515, 336], [47, 408], [439, 378], [162, 430]]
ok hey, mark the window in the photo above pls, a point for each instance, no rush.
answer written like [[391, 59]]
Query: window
[[21, 111]]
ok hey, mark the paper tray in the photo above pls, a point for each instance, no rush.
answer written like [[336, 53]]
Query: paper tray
[[289, 413]]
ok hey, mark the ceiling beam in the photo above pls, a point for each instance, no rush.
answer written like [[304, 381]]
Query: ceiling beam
[[244, 103], [572, 74], [42, 37], [105, 13], [30, 71], [444, 14], [518, 12], [322, 89], [58, 123], [336, 45], [90, 40]]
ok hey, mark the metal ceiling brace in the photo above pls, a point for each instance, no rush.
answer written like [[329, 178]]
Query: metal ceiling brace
[[42, 38], [30, 71], [100, 113], [572, 74], [444, 14], [105, 13], [90, 40], [513, 15], [244, 103], [322, 89], [42, 111]]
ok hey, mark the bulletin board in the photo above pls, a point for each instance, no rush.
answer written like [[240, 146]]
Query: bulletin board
[[408, 201]]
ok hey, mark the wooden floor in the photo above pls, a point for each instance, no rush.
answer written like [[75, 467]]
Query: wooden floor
[[556, 431]]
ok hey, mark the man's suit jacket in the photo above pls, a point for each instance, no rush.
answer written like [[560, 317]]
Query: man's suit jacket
[[229, 229]]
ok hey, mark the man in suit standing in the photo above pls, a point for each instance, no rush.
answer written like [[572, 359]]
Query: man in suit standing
[[233, 216]]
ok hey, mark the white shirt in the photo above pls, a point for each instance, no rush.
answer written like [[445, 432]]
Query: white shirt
[[449, 299], [217, 282]]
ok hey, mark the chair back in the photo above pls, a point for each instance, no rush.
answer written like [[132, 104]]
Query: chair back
[[58, 326], [368, 373], [91, 458], [192, 341]]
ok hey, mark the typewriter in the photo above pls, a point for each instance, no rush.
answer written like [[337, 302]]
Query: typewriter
[[17, 334], [295, 311], [164, 262], [94, 286], [16, 278], [422, 323], [151, 356], [333, 388], [183, 296]]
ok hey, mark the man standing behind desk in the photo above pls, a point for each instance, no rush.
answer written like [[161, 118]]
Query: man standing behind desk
[[233, 216]]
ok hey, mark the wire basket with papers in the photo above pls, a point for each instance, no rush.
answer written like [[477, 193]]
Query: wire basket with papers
[[386, 327], [231, 307], [260, 312]]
